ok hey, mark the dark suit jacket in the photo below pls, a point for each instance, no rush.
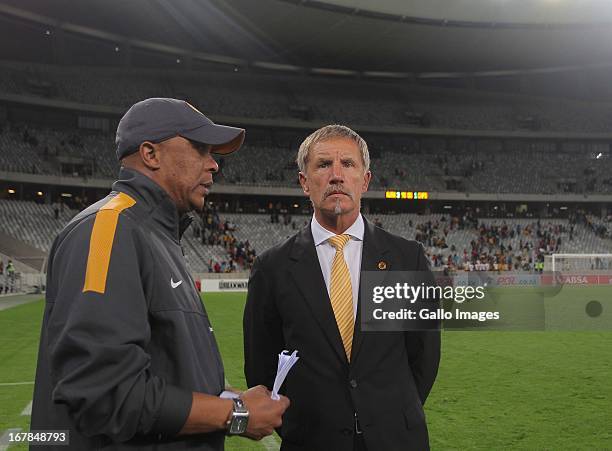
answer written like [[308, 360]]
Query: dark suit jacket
[[390, 373]]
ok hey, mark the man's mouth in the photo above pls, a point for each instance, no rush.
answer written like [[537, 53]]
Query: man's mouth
[[336, 192], [206, 186]]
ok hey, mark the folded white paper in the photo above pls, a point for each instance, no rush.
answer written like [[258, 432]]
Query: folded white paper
[[285, 363], [226, 394]]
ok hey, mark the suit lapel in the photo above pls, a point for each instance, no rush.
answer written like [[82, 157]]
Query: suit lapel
[[372, 255], [307, 275]]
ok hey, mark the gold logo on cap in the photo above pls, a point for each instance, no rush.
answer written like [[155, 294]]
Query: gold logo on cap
[[382, 265]]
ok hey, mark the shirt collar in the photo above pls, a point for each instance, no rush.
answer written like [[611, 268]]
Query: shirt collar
[[320, 234]]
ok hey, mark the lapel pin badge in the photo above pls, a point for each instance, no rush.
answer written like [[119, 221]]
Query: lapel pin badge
[[382, 265]]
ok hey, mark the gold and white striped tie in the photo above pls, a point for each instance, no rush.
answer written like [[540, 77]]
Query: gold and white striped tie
[[341, 293]]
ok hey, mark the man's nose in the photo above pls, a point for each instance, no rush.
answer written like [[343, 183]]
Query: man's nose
[[212, 165], [337, 173]]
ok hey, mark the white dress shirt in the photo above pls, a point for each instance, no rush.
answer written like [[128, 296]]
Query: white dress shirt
[[352, 253]]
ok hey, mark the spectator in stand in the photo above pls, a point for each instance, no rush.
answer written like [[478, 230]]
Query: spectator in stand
[[10, 276]]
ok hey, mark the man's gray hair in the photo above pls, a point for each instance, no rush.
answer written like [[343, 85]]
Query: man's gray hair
[[331, 132]]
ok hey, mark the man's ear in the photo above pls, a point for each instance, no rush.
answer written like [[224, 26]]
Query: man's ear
[[304, 183], [367, 177], [149, 154]]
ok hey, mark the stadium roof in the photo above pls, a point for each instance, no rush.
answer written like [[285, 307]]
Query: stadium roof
[[437, 38]]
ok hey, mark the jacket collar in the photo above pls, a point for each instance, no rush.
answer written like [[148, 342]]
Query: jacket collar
[[154, 199]]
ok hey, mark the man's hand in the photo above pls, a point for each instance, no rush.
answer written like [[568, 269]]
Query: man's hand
[[264, 412]]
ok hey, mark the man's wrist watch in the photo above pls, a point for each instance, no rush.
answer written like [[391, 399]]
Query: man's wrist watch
[[237, 424]]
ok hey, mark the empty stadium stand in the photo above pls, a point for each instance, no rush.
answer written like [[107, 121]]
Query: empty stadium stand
[[355, 102], [432, 164], [34, 224]]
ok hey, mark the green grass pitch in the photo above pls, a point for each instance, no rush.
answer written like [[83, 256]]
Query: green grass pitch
[[495, 390]]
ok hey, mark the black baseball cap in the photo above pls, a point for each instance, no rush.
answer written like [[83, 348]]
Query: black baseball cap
[[158, 119]]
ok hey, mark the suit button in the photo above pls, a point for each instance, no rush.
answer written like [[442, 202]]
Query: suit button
[[353, 383], [347, 431]]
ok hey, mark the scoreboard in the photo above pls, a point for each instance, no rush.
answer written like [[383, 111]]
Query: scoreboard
[[407, 195]]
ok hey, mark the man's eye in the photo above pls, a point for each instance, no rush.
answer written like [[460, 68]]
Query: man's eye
[[348, 163], [324, 164]]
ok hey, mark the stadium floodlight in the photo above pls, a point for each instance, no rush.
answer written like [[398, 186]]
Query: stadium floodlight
[[581, 262]]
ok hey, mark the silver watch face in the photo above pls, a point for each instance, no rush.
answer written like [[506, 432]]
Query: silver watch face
[[238, 424]]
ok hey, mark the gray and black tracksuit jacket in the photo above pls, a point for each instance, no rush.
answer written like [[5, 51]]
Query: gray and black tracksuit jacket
[[125, 339]]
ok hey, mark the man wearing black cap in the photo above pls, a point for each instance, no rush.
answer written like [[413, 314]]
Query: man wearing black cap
[[127, 357]]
